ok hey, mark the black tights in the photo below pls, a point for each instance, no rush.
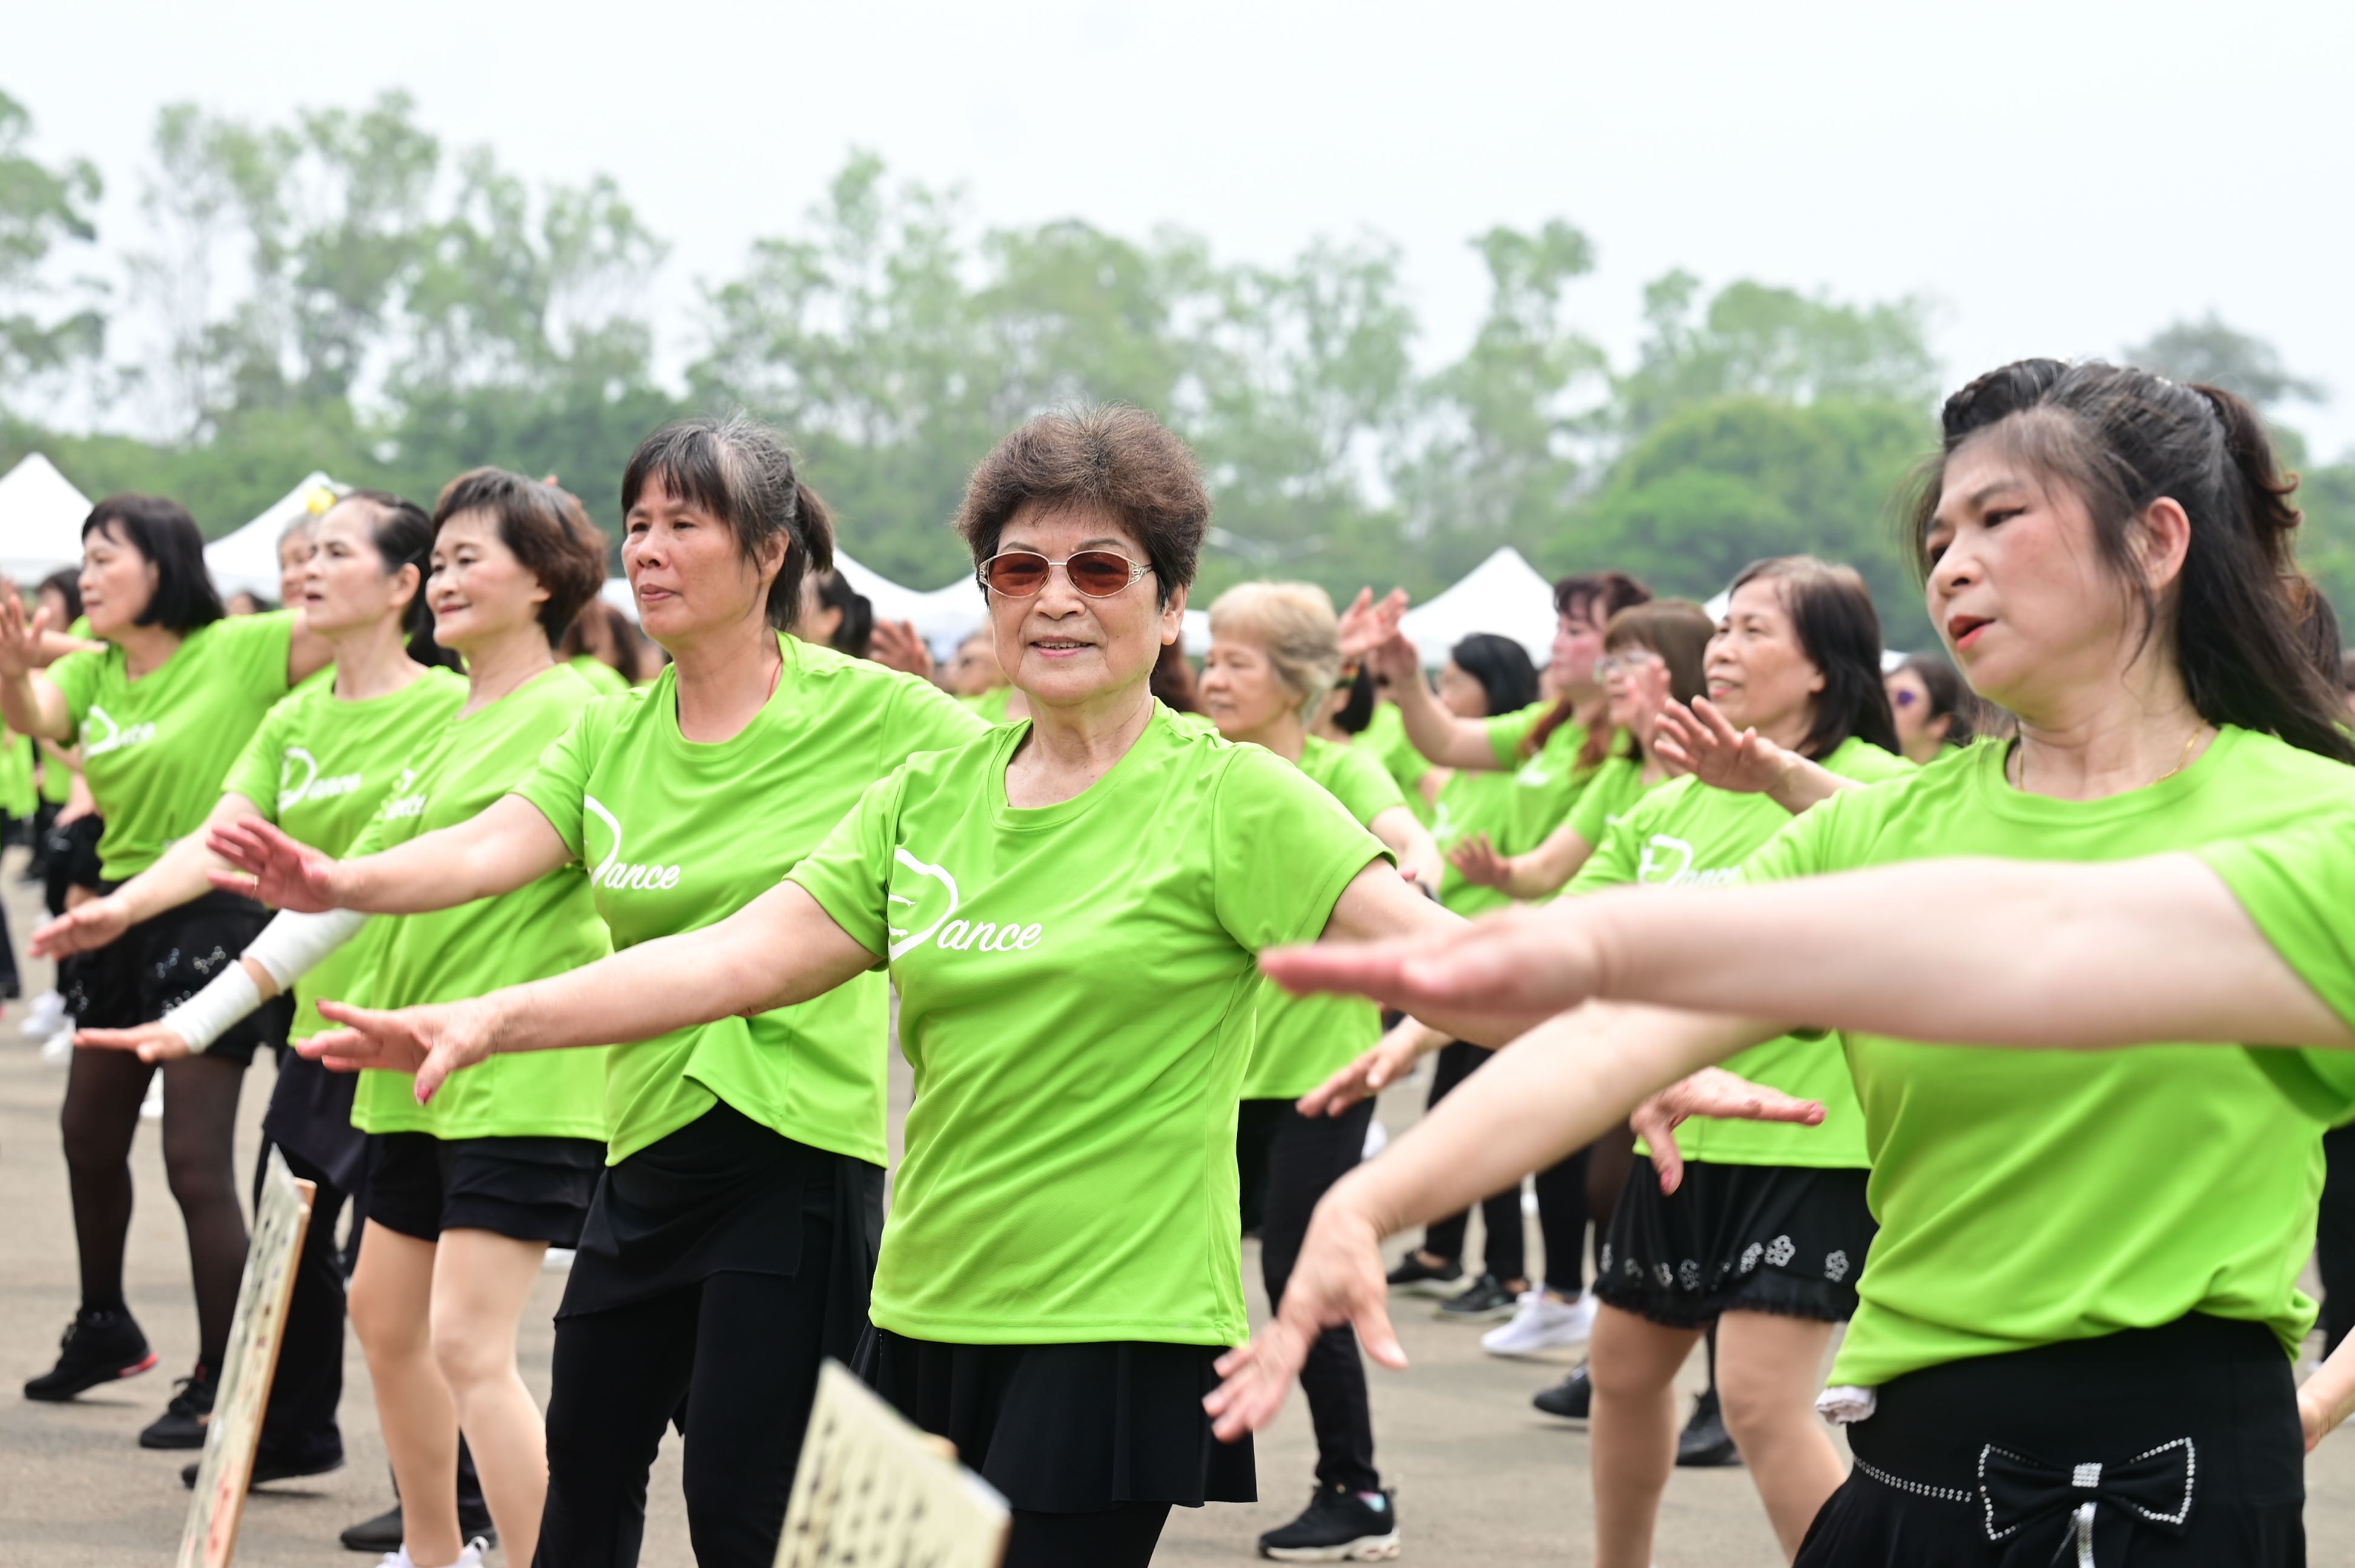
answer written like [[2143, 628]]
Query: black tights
[[1123, 1537], [1500, 1213], [103, 1089], [1305, 1156]]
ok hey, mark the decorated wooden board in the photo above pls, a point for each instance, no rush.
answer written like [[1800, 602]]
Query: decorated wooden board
[[873, 1491]]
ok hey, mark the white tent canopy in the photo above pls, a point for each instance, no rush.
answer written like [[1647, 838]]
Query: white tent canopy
[[41, 514], [1503, 595], [248, 559]]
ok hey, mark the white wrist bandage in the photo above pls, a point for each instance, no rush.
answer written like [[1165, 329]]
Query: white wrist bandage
[[216, 1010], [292, 945]]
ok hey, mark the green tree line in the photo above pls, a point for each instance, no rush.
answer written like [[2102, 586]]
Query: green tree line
[[342, 290]]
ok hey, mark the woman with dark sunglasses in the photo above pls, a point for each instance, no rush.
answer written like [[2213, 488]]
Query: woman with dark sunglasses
[[1070, 906], [731, 1239]]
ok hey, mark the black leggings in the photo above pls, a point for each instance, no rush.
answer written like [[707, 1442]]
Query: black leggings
[[299, 1426], [2334, 1240], [735, 1358], [1123, 1537], [1502, 1253], [103, 1089], [1305, 1156]]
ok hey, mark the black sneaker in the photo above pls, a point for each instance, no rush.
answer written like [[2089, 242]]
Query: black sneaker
[[266, 1470], [382, 1533], [1341, 1526], [1413, 1276], [1704, 1444], [101, 1345], [1571, 1399], [1487, 1297], [182, 1425]]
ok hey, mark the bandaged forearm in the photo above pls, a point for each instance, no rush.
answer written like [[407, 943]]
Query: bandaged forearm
[[289, 947]]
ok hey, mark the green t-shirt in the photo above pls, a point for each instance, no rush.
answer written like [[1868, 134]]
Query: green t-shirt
[[2298, 886], [1384, 740], [602, 678], [1077, 990], [56, 779], [17, 796], [679, 835], [320, 768], [1549, 781], [155, 750], [2031, 1197], [990, 705], [547, 928], [1305, 1040], [1687, 834], [1472, 802], [1607, 798]]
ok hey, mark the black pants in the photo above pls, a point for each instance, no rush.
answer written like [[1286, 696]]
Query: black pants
[[1562, 1217], [1305, 1155], [1500, 1213], [298, 1427], [2334, 1238], [735, 1358], [1123, 1537]]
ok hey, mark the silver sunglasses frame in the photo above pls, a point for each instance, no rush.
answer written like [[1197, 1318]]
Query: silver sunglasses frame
[[1137, 569]]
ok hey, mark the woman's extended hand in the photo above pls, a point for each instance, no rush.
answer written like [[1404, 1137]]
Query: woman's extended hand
[[152, 1042], [83, 929], [1338, 1279], [1384, 1063], [1712, 1092], [1533, 961], [272, 867], [1478, 862], [1699, 740], [431, 1041], [20, 635], [897, 645], [1369, 622]]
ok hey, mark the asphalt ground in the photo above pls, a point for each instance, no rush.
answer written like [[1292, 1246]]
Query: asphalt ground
[[1481, 1477]]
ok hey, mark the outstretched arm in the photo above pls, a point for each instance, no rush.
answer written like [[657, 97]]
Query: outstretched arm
[[1702, 741], [2091, 955], [30, 702], [780, 949], [499, 849], [1440, 735], [178, 877], [1545, 869]]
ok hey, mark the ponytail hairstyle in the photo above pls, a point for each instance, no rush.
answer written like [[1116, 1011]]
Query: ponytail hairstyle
[[1502, 667], [1358, 713], [2121, 439], [739, 471], [1831, 610], [1596, 597], [403, 536]]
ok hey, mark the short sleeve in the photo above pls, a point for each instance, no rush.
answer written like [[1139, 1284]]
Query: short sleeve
[[1589, 818], [258, 648], [1268, 815], [1363, 785], [254, 774], [1800, 847], [1614, 861], [76, 678], [850, 873], [925, 718], [559, 783], [1508, 732], [2298, 887]]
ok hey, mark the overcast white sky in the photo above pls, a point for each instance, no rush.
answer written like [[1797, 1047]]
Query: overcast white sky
[[2059, 178]]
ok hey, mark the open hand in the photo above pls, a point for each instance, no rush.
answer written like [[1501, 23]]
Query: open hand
[[83, 929], [896, 645], [151, 1042], [1712, 1092], [272, 867], [1699, 740], [1369, 622], [1338, 1279], [20, 635], [1478, 862], [431, 1041], [1532, 962], [1384, 1063]]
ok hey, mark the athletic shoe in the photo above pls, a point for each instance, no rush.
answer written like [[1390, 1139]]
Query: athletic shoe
[[1542, 1323], [182, 1425], [101, 1345], [1341, 1526], [1704, 1444], [44, 1018], [1413, 1276], [1571, 1399], [382, 1533], [469, 1555], [58, 1048], [1487, 1297], [268, 1470], [1378, 1137], [152, 1108]]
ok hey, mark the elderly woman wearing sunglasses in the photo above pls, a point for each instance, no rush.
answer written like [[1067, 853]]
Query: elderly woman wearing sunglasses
[[1070, 907]]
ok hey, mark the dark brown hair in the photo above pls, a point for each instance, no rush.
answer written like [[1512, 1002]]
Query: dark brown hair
[[403, 536], [1590, 596], [168, 538], [2121, 439], [546, 529], [1951, 697], [1116, 460], [1831, 610], [739, 471], [1676, 630]]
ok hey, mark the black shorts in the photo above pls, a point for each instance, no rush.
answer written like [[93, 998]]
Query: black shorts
[[532, 1189], [161, 962], [2184, 1438], [1736, 1238]]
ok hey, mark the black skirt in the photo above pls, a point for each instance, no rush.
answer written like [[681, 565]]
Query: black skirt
[[2183, 1441], [1069, 1428], [1736, 1238], [310, 1113], [527, 1189], [162, 961], [726, 1195]]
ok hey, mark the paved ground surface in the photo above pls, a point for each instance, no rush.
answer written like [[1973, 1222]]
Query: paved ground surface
[[1483, 1478]]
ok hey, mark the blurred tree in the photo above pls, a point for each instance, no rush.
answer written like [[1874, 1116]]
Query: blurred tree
[[2210, 351], [41, 208]]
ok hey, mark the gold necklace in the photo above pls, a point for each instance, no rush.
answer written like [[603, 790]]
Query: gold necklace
[[2182, 762]]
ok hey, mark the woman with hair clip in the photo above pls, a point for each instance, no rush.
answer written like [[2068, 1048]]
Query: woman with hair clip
[[1069, 905], [2075, 1325], [1275, 652], [159, 715], [732, 1238], [320, 766]]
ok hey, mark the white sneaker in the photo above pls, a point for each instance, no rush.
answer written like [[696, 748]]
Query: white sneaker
[[1543, 1324], [1378, 1137], [469, 1556], [557, 1261], [152, 1108], [41, 1020], [58, 1048]]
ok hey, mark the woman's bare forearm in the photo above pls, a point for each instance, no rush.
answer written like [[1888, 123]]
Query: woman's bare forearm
[[1439, 735], [507, 845]]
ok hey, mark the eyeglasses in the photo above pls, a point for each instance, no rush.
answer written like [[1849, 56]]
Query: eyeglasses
[[1626, 662], [1020, 574]]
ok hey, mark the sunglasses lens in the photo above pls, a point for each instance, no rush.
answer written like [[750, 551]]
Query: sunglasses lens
[[1098, 574], [1018, 574]]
